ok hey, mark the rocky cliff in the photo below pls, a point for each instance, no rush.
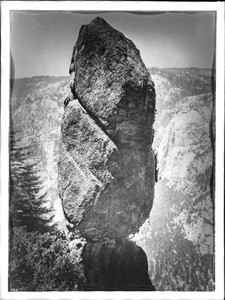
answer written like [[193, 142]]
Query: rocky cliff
[[106, 165]]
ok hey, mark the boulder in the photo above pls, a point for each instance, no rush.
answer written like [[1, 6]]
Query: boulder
[[106, 165]]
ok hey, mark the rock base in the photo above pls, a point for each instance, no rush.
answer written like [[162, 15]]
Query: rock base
[[115, 265]]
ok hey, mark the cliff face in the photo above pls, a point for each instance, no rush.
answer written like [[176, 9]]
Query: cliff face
[[179, 240], [185, 162], [106, 165]]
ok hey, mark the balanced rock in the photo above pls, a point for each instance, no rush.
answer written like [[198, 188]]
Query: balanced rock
[[106, 165]]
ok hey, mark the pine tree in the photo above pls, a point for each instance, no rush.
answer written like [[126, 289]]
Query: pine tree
[[27, 204]]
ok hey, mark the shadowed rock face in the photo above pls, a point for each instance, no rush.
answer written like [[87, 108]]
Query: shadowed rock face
[[106, 165], [116, 266]]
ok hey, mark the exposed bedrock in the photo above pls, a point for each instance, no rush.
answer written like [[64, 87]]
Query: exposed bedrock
[[106, 165]]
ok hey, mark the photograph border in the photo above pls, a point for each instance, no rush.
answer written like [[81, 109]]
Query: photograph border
[[115, 6]]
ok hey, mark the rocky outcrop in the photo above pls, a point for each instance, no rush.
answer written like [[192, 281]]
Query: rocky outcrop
[[106, 165]]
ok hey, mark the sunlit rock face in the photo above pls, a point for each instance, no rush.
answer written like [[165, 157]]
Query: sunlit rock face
[[106, 165], [179, 235], [185, 162]]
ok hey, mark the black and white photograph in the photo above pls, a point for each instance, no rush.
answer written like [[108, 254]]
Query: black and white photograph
[[112, 150]]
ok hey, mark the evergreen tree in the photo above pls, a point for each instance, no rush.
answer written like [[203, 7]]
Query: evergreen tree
[[27, 204]]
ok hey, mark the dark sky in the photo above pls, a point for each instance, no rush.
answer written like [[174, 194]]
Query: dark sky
[[42, 43]]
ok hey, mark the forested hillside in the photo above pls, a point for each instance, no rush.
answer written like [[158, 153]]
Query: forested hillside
[[37, 109]]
